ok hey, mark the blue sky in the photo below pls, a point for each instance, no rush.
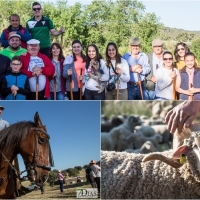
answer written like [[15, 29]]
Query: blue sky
[[175, 14], [74, 128]]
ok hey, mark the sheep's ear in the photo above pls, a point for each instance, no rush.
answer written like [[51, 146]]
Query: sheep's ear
[[181, 150]]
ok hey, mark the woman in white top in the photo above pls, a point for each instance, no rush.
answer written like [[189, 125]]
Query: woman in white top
[[118, 74], [165, 83], [95, 80]]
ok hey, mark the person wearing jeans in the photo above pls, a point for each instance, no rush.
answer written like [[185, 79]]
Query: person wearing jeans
[[42, 189], [139, 68], [60, 178]]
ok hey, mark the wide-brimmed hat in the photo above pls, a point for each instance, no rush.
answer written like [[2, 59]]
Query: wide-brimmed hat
[[59, 170], [1, 107], [93, 162], [157, 42], [14, 35], [134, 41], [33, 41]]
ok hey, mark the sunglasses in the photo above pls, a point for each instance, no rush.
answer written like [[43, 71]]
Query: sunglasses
[[36, 9], [167, 59], [182, 49]]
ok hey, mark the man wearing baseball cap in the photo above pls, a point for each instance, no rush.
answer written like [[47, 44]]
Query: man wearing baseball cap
[[39, 67], [156, 61], [3, 123], [139, 69], [14, 48]]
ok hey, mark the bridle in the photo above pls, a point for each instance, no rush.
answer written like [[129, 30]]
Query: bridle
[[34, 164], [31, 167]]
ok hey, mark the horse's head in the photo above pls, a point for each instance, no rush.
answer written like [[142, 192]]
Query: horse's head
[[36, 152]]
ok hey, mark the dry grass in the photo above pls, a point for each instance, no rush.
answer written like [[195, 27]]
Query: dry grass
[[54, 192]]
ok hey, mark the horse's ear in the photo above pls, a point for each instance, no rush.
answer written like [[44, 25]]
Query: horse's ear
[[37, 119]]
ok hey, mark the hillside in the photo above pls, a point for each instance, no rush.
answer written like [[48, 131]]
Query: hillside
[[171, 36]]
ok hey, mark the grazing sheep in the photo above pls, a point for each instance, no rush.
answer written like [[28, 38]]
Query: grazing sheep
[[141, 139], [147, 147], [147, 131], [123, 117], [125, 143], [108, 125], [116, 139], [130, 176], [166, 135]]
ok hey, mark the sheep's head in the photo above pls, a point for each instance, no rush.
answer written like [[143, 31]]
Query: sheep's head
[[133, 121], [190, 149]]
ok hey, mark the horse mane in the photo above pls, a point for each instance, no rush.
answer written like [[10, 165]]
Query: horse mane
[[12, 135]]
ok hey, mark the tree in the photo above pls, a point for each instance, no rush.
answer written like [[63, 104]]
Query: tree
[[52, 177], [78, 167], [72, 172], [99, 22], [195, 49], [85, 166], [147, 28]]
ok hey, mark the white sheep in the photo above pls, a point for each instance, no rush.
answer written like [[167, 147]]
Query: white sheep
[[121, 137], [147, 147], [130, 176], [141, 139], [149, 131]]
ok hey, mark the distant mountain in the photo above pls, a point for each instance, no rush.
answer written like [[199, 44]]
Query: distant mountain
[[179, 34], [171, 36]]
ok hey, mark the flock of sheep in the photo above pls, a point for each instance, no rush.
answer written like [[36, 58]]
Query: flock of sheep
[[129, 171], [135, 134]]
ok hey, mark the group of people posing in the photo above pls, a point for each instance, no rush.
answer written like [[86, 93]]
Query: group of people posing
[[33, 68]]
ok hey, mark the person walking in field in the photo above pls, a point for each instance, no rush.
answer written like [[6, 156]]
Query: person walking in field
[[60, 178]]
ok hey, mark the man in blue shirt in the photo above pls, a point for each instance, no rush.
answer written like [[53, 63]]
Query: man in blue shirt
[[139, 68]]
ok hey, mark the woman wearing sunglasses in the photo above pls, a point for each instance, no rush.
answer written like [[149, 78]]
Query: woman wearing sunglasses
[[180, 50], [165, 76]]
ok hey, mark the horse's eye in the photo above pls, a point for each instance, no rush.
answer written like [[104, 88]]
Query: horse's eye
[[41, 140]]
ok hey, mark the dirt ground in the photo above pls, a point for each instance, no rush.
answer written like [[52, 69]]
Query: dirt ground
[[51, 194], [54, 192]]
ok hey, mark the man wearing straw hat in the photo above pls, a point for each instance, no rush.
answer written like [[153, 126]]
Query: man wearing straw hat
[[3, 123], [97, 171]]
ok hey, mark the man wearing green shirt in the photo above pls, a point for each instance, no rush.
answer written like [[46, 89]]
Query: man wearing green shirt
[[39, 28], [14, 48]]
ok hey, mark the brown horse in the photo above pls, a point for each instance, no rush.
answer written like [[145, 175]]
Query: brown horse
[[31, 141]]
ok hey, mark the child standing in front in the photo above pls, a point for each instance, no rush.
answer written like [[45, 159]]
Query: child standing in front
[[15, 85], [188, 79]]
